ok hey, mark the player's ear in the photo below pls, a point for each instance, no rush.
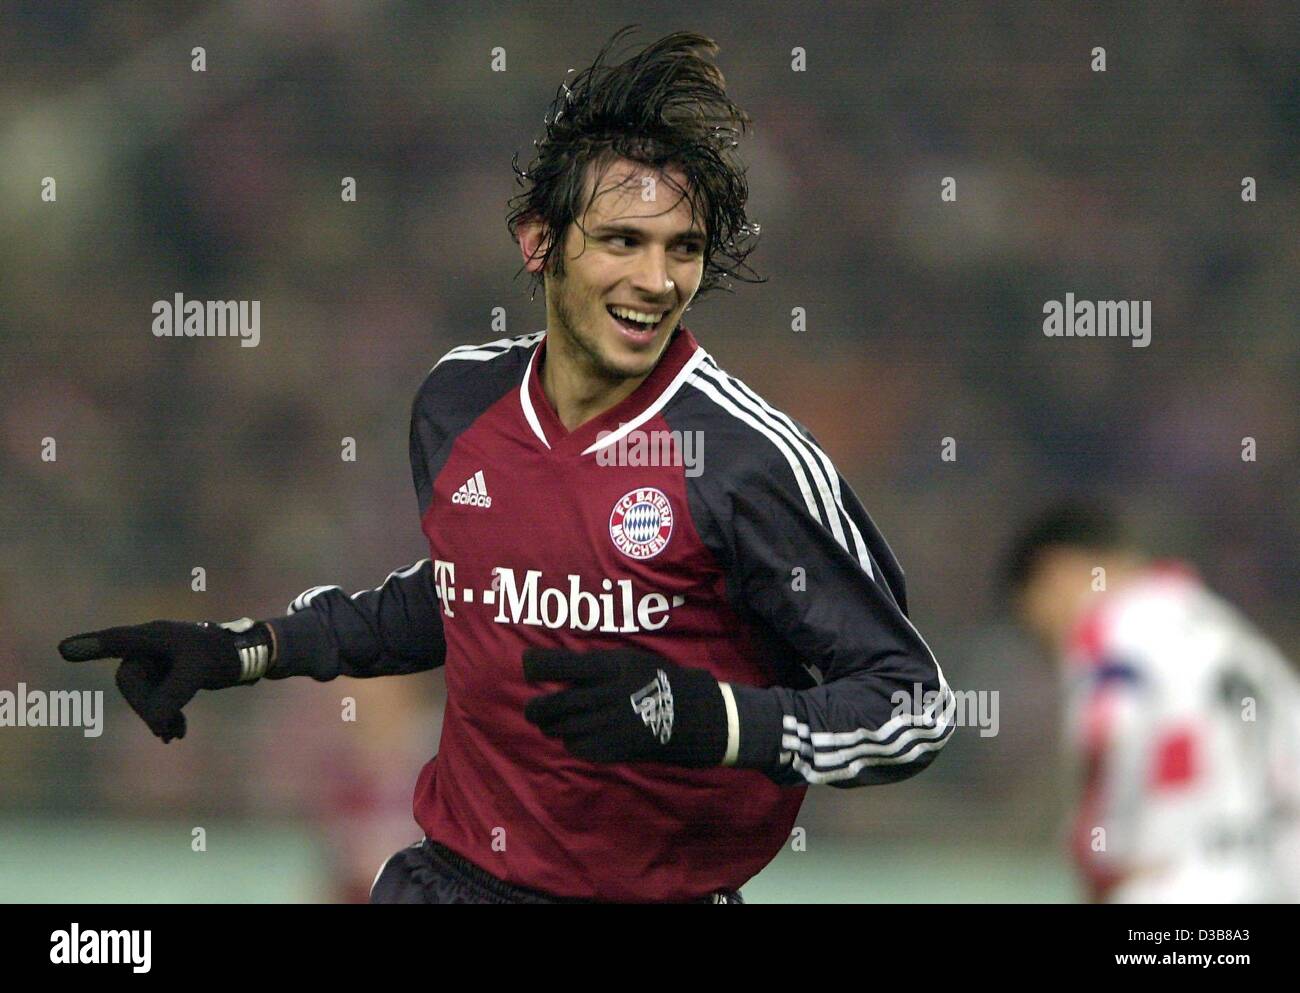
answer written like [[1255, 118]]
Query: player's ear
[[534, 240]]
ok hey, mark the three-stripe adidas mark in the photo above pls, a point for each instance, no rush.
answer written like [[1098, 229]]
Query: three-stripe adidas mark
[[473, 492]]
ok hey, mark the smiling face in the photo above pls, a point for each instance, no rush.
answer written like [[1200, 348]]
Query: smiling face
[[640, 250]]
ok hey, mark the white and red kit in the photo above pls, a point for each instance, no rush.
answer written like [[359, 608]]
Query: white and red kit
[[1185, 722]]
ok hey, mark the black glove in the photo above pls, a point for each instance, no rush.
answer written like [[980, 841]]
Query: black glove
[[628, 706], [165, 663]]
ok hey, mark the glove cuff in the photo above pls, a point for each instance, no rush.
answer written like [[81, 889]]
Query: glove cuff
[[760, 718], [253, 643], [733, 725]]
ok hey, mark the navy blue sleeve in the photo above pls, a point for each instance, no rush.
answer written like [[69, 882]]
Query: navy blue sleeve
[[801, 554], [391, 630]]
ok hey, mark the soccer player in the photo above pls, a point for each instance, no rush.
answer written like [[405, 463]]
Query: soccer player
[[1182, 718], [661, 611]]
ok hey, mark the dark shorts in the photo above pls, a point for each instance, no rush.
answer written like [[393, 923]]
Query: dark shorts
[[428, 872]]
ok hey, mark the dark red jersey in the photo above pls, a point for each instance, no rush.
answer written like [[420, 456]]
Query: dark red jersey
[[692, 520]]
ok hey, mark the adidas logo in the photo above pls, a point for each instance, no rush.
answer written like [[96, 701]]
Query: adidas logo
[[473, 492], [654, 702]]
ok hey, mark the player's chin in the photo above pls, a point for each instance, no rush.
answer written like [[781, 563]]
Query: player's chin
[[631, 363]]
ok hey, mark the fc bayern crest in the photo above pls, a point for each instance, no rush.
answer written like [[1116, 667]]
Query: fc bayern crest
[[642, 523]]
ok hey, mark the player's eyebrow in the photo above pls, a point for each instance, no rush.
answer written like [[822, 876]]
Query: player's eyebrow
[[631, 229]]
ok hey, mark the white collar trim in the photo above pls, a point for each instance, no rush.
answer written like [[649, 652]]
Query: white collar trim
[[526, 401], [530, 414], [654, 408]]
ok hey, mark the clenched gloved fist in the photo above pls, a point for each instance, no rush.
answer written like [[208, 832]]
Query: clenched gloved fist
[[628, 706], [166, 663]]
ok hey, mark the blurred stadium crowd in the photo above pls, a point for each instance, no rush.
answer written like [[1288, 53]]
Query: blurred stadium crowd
[[924, 323]]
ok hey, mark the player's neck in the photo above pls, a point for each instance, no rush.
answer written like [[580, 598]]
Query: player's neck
[[576, 391]]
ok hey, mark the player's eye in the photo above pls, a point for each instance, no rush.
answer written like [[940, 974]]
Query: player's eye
[[691, 248]]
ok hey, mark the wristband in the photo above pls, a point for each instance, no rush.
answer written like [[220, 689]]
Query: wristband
[[253, 642]]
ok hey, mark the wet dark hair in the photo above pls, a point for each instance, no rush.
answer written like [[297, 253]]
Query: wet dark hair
[[1072, 523], [665, 105]]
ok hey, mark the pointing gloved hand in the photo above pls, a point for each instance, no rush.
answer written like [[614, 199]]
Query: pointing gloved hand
[[166, 663]]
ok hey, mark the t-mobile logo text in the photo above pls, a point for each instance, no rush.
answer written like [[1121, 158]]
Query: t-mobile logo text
[[615, 609]]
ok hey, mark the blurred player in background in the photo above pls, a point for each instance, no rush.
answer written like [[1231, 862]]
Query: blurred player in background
[[1181, 717]]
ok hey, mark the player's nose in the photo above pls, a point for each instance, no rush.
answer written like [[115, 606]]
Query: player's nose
[[650, 279]]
